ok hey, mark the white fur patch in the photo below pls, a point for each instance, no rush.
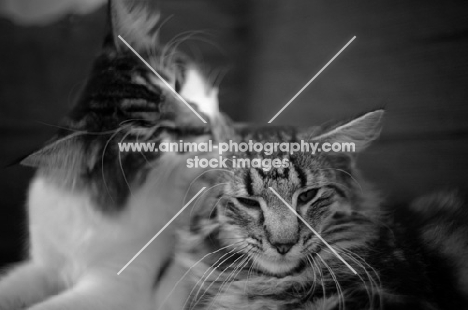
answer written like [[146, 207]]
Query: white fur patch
[[196, 90], [77, 250]]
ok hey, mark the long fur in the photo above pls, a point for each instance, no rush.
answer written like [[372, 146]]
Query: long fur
[[91, 207]]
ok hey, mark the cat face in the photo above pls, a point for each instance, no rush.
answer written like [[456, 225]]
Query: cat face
[[270, 229], [319, 187]]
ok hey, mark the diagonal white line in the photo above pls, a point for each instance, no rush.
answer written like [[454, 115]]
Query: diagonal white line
[[313, 230], [164, 81], [160, 231], [311, 80]]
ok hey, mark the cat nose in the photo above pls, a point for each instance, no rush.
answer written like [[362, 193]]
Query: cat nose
[[283, 248]]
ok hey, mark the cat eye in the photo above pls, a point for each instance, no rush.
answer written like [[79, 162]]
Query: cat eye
[[252, 203], [307, 195]]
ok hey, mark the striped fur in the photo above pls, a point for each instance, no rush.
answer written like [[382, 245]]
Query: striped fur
[[229, 252], [243, 248], [124, 101]]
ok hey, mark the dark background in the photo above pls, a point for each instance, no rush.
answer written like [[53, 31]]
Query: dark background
[[409, 56]]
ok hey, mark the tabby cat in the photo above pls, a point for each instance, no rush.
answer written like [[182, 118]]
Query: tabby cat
[[245, 249], [91, 208]]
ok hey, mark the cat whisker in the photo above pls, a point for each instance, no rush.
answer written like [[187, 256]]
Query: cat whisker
[[102, 162], [196, 35], [142, 154], [191, 267], [347, 173], [312, 289], [254, 262], [224, 282], [363, 261], [121, 166], [184, 35], [197, 300], [217, 76], [248, 260], [378, 286], [151, 49], [371, 292], [339, 185], [214, 207], [341, 296], [225, 238], [169, 51], [129, 120], [83, 132], [359, 264], [357, 257], [162, 23], [324, 291], [204, 193], [201, 174], [213, 267], [232, 275]]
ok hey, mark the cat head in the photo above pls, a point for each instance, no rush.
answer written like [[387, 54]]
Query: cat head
[[323, 188], [125, 101]]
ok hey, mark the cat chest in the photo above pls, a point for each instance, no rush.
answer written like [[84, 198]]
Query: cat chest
[[70, 234], [66, 231]]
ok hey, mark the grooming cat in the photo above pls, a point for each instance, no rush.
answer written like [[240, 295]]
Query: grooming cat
[[92, 208], [246, 250]]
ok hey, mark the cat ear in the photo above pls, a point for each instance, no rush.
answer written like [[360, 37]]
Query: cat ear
[[134, 22], [66, 153], [361, 131]]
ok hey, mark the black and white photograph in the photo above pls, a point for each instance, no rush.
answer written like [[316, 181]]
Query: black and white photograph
[[233, 155]]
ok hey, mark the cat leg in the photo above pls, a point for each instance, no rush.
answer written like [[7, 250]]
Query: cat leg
[[25, 285]]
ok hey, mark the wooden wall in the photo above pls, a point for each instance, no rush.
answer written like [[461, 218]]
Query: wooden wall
[[410, 57]]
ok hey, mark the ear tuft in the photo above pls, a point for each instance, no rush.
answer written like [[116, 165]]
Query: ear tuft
[[134, 22], [361, 131]]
